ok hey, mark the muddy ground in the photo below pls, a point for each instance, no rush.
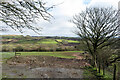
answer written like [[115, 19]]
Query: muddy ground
[[43, 67]]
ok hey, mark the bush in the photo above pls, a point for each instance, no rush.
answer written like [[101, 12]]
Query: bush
[[4, 48], [64, 42], [19, 48]]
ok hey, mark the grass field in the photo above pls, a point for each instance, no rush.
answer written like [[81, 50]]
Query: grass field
[[62, 54], [47, 41], [21, 43], [69, 41], [44, 41]]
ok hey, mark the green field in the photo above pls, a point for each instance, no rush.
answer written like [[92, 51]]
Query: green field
[[47, 41], [62, 54], [43, 41], [69, 41], [29, 43]]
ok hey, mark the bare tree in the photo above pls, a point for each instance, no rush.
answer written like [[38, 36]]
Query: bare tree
[[19, 14], [98, 28]]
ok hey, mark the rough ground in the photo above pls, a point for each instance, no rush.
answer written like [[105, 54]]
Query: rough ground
[[43, 67]]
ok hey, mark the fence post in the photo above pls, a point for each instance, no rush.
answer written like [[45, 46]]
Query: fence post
[[99, 66], [114, 74], [15, 53], [118, 73], [103, 69]]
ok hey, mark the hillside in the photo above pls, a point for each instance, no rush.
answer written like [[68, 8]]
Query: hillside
[[41, 43]]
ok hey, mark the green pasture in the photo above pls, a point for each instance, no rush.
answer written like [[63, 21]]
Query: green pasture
[[69, 41], [24, 41], [72, 41], [45, 41], [63, 54]]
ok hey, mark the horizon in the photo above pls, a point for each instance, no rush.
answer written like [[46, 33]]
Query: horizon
[[37, 35]]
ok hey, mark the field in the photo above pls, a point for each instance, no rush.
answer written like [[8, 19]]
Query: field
[[69, 41], [63, 54], [37, 48], [28, 62], [36, 40], [46, 57], [28, 44], [43, 41]]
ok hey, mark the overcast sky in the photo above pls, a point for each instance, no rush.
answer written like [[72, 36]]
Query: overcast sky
[[63, 12]]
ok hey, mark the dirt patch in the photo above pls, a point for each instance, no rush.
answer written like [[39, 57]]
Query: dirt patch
[[43, 67], [78, 56], [58, 72], [47, 61]]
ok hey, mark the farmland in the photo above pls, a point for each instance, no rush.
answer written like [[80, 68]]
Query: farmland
[[46, 53], [28, 43], [63, 54], [56, 50], [57, 60]]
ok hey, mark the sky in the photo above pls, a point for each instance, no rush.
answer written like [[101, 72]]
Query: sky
[[62, 13]]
